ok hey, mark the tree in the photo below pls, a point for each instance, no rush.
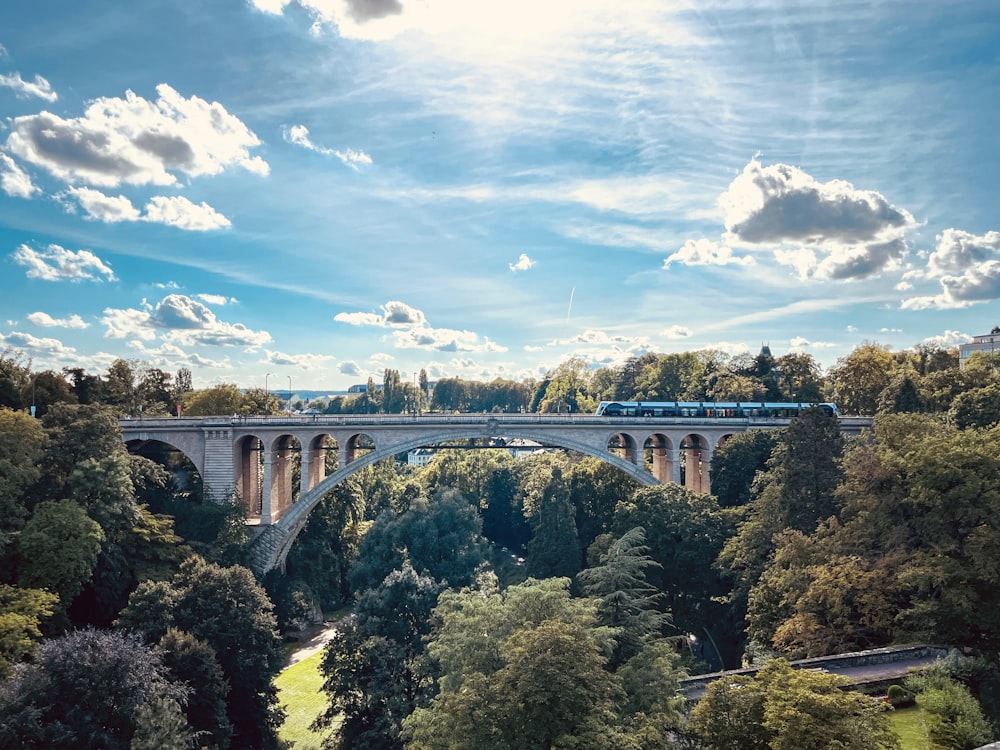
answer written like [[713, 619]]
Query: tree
[[789, 709], [121, 386], [223, 399], [22, 441], [83, 690], [979, 407], [956, 719], [439, 538], [228, 610], [15, 374], [554, 549], [798, 378], [901, 395], [797, 492], [685, 532], [568, 388], [860, 377], [375, 673], [160, 725], [21, 612], [519, 668], [191, 661], [627, 601], [736, 463], [58, 549]]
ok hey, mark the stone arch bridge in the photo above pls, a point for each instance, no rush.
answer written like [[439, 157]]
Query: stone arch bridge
[[252, 457]]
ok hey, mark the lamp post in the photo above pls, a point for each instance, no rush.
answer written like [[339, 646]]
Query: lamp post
[[289, 394], [34, 378], [267, 396]]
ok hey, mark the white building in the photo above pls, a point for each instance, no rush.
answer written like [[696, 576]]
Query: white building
[[989, 343]]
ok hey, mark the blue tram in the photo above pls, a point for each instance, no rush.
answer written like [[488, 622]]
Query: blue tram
[[738, 409]]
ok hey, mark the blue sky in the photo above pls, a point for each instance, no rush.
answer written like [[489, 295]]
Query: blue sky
[[320, 189]]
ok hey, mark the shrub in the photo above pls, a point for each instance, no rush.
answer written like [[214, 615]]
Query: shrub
[[900, 697]]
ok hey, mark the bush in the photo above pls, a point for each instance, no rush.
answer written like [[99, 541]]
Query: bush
[[900, 697]]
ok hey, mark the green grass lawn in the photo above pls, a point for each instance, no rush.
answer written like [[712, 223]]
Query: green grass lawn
[[911, 726], [300, 692]]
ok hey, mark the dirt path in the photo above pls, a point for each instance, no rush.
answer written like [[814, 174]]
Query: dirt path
[[314, 642]]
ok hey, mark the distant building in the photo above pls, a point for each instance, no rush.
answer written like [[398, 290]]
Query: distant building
[[989, 342], [420, 456]]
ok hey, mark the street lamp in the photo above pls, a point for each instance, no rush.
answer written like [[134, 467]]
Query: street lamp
[[267, 396], [289, 394]]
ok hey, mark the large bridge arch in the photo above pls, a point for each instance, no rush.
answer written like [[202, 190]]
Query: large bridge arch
[[269, 549]]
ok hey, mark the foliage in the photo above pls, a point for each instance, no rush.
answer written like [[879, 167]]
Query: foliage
[[737, 461], [22, 442], [519, 668], [860, 377], [438, 537], [956, 720], [554, 549], [58, 549], [160, 725], [374, 672], [191, 661], [21, 612], [228, 610], [782, 708], [627, 601], [83, 690], [685, 532]]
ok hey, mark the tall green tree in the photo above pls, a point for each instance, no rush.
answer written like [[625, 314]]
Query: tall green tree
[[736, 463], [375, 673], [860, 377], [627, 602], [83, 690], [554, 549], [685, 533], [226, 608], [520, 668]]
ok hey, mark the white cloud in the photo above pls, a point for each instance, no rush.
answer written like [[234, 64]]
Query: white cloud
[[415, 333], [184, 321], [444, 340], [349, 368], [106, 208], [216, 299], [34, 346], [677, 332], [39, 87], [958, 251], [948, 339], [136, 141], [800, 343], [828, 230], [703, 252], [13, 180], [967, 267], [56, 263], [299, 361], [47, 321], [523, 263], [394, 313], [178, 211], [299, 135]]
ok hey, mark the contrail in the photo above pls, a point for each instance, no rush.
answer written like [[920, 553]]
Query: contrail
[[571, 293]]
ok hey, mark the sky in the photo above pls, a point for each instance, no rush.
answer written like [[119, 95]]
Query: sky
[[308, 192]]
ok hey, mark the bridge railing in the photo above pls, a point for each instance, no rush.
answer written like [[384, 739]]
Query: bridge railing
[[334, 420]]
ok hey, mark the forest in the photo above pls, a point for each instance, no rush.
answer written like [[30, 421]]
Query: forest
[[540, 602]]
